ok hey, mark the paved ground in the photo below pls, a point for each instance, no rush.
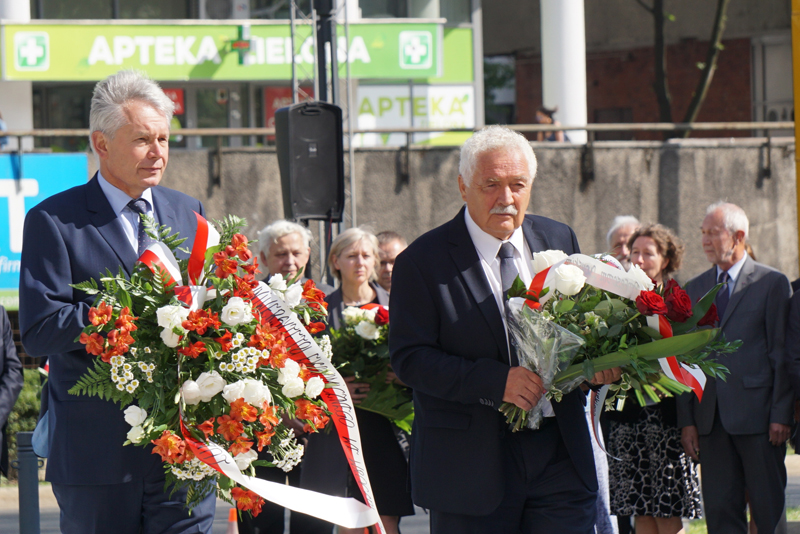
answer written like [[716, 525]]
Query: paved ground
[[418, 524]]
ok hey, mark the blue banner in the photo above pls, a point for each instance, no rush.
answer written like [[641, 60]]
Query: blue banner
[[24, 182]]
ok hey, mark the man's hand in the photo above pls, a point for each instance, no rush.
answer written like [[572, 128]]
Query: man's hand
[[523, 388], [609, 376], [690, 440], [358, 390], [778, 433]]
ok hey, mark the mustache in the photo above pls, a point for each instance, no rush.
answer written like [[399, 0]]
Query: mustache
[[511, 209]]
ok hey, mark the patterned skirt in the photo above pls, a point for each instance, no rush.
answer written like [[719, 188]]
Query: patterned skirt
[[653, 476]]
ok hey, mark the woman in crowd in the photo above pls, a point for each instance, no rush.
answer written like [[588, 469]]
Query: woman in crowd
[[653, 479], [352, 260], [547, 116]]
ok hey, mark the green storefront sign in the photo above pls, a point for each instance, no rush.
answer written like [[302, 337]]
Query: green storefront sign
[[87, 52]]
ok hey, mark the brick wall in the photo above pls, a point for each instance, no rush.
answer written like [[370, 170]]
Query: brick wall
[[624, 79]]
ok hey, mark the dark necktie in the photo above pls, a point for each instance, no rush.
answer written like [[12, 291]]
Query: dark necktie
[[508, 273], [140, 206], [723, 296]]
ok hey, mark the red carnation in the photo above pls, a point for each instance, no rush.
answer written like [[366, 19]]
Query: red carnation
[[650, 303]]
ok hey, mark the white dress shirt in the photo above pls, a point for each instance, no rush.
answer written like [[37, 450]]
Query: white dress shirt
[[119, 203], [733, 274], [487, 247]]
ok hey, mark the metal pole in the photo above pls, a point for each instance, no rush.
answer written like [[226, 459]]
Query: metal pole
[[295, 85], [796, 75], [27, 464], [350, 110]]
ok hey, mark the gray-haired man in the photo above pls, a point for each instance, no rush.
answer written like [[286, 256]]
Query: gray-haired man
[[71, 237]]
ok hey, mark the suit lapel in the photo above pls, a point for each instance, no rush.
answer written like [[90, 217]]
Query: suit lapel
[[535, 242], [742, 281], [108, 224], [165, 213], [466, 258]]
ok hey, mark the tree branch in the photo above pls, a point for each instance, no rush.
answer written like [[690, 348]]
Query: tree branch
[[714, 48]]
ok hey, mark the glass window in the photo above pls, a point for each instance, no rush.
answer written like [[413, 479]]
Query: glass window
[[276, 9], [456, 11], [154, 9], [70, 9], [64, 106], [383, 9]]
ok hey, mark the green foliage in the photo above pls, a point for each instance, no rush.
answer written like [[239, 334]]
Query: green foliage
[[25, 413]]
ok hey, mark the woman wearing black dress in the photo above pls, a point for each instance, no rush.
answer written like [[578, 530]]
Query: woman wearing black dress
[[352, 260]]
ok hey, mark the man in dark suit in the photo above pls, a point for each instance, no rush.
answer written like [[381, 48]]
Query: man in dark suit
[[71, 237], [738, 431], [10, 383], [448, 342]]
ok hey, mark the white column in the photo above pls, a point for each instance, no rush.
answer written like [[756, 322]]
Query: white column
[[16, 98], [564, 62]]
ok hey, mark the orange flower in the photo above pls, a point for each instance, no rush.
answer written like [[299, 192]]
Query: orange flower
[[265, 336], [101, 314], [315, 417], [251, 268], [120, 337], [225, 341], [240, 445], [269, 416], [313, 294], [207, 427], [170, 447], [125, 320], [229, 428], [242, 411], [238, 247], [94, 343], [277, 358], [244, 286], [225, 265], [315, 328], [247, 500], [200, 321], [193, 350], [264, 438]]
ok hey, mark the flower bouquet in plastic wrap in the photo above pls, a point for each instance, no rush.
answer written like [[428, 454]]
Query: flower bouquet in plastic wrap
[[360, 349], [582, 315], [198, 367]]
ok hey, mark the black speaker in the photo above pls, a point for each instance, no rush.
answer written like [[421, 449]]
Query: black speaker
[[308, 138]]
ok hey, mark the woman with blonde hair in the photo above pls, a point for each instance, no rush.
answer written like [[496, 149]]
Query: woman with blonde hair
[[352, 259]]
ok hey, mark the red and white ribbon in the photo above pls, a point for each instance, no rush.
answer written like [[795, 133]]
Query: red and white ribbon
[[688, 375], [205, 237]]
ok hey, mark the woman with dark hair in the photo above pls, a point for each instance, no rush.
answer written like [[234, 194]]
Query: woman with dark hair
[[653, 480], [547, 116]]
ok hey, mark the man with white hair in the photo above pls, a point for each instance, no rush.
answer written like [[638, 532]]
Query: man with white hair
[[739, 429], [622, 228], [285, 249], [71, 237], [448, 341]]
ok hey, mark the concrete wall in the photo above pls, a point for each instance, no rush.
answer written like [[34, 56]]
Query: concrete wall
[[671, 183]]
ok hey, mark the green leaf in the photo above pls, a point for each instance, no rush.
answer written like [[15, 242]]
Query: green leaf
[[615, 330], [518, 288], [699, 311], [563, 306]]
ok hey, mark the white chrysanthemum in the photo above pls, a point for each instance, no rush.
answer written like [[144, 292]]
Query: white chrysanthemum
[[130, 388], [325, 346], [147, 350], [121, 387]]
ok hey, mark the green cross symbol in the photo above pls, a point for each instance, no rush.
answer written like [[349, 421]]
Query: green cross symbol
[[416, 50], [31, 51]]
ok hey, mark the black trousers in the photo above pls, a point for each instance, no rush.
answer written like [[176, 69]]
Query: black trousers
[[543, 492]]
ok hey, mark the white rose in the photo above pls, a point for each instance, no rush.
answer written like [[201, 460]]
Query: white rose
[[244, 459], [255, 392], [569, 279], [170, 338], [277, 283], [289, 371], [293, 295], [233, 391], [369, 315], [236, 312], [543, 260], [210, 384], [190, 392], [642, 280], [314, 387], [294, 387], [352, 315], [170, 317], [367, 330], [136, 434], [134, 415]]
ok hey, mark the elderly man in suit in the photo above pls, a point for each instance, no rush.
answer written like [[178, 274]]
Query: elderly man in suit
[[448, 341], [738, 431], [71, 237]]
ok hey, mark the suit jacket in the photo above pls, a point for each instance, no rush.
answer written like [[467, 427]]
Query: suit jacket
[[757, 391], [448, 342], [10, 382], [69, 238]]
